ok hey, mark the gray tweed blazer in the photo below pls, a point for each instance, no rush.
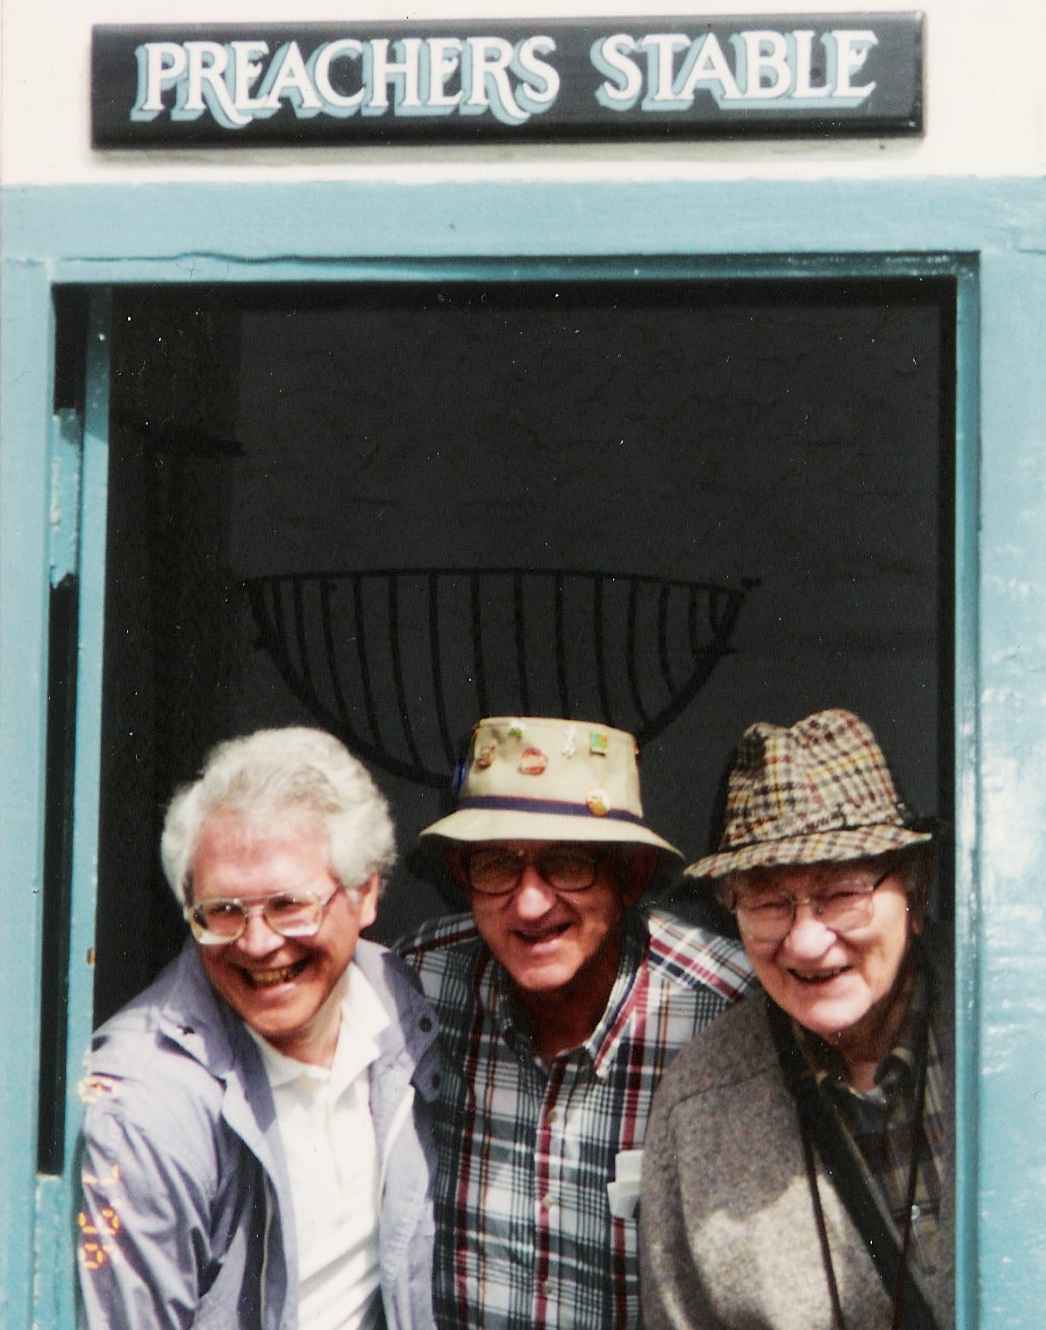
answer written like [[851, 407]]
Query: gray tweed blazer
[[728, 1239]]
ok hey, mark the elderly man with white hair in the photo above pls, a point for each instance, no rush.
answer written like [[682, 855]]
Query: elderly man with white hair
[[256, 1147]]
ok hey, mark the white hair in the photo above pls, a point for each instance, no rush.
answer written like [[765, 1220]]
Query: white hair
[[271, 771]]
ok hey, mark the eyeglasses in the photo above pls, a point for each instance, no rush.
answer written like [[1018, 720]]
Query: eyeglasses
[[291, 914], [765, 916], [492, 871]]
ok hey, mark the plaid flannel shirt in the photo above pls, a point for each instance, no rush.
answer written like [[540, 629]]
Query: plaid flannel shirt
[[525, 1237], [880, 1121]]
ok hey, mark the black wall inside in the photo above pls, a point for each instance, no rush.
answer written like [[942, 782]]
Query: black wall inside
[[796, 433]]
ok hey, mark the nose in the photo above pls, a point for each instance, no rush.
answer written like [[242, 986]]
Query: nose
[[533, 898], [808, 936], [257, 938]]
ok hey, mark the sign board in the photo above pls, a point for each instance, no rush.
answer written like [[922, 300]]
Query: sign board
[[312, 83]]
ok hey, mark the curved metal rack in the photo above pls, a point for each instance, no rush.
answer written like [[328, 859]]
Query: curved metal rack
[[622, 649]]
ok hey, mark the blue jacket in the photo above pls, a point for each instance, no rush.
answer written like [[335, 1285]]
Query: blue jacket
[[185, 1210]]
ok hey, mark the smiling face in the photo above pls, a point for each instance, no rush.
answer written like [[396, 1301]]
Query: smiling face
[[557, 946], [288, 990], [849, 988]]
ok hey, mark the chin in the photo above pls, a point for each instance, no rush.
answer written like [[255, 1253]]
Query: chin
[[831, 1020], [541, 981]]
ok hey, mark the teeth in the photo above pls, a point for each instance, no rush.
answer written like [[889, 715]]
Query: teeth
[[539, 934], [816, 976], [266, 978]]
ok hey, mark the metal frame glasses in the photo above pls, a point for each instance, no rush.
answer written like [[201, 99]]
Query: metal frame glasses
[[766, 916], [291, 914], [491, 870]]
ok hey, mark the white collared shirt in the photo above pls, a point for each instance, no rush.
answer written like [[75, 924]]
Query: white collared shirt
[[332, 1160]]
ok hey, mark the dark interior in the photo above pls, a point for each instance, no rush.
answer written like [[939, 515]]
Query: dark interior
[[676, 506]]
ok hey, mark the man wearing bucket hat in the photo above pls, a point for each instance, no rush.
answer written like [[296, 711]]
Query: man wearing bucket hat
[[798, 1167], [560, 1002]]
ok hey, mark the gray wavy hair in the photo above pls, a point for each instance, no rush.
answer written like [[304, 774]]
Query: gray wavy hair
[[270, 771]]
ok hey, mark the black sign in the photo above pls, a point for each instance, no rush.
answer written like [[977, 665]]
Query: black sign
[[313, 83]]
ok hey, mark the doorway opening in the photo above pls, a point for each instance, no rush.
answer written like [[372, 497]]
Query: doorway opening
[[388, 506]]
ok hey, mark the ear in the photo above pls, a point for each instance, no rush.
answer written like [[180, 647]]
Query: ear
[[923, 872], [640, 868], [367, 900], [453, 857]]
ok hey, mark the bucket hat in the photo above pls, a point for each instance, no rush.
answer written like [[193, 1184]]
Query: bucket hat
[[538, 778], [819, 791]]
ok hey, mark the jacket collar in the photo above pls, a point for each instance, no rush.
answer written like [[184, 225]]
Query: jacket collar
[[206, 1029], [199, 1022], [209, 1031], [410, 1038]]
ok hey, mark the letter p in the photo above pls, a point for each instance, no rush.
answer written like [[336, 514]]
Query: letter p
[[160, 66]]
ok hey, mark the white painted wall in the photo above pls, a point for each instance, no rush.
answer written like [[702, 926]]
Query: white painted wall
[[985, 100]]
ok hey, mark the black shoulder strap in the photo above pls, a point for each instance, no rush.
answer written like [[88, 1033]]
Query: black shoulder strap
[[829, 1137]]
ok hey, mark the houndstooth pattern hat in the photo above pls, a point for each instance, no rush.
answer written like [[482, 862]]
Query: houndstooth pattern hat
[[817, 792]]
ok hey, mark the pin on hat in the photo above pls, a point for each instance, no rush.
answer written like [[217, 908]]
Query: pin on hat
[[539, 778], [819, 791]]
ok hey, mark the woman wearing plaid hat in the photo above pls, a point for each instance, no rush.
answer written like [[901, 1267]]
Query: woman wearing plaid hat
[[798, 1169]]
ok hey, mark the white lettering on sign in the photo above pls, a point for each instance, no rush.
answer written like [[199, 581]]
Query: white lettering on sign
[[237, 82], [664, 71], [241, 81]]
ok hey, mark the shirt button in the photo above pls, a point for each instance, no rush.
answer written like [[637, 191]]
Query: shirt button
[[426, 1023], [548, 1200], [553, 1117], [437, 1081], [916, 1211], [547, 1287]]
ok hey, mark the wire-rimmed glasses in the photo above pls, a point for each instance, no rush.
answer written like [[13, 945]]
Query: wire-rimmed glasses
[[292, 914], [765, 915]]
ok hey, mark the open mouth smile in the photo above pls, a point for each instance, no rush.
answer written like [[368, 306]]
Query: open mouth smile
[[537, 936], [818, 976], [270, 978]]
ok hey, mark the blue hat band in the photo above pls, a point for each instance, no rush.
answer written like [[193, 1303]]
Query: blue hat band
[[503, 803]]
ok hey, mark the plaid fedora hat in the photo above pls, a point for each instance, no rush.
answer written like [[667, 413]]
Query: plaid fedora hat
[[817, 792], [537, 778]]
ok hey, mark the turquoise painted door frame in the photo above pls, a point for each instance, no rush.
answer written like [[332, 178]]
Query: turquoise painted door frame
[[53, 537], [991, 236]]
